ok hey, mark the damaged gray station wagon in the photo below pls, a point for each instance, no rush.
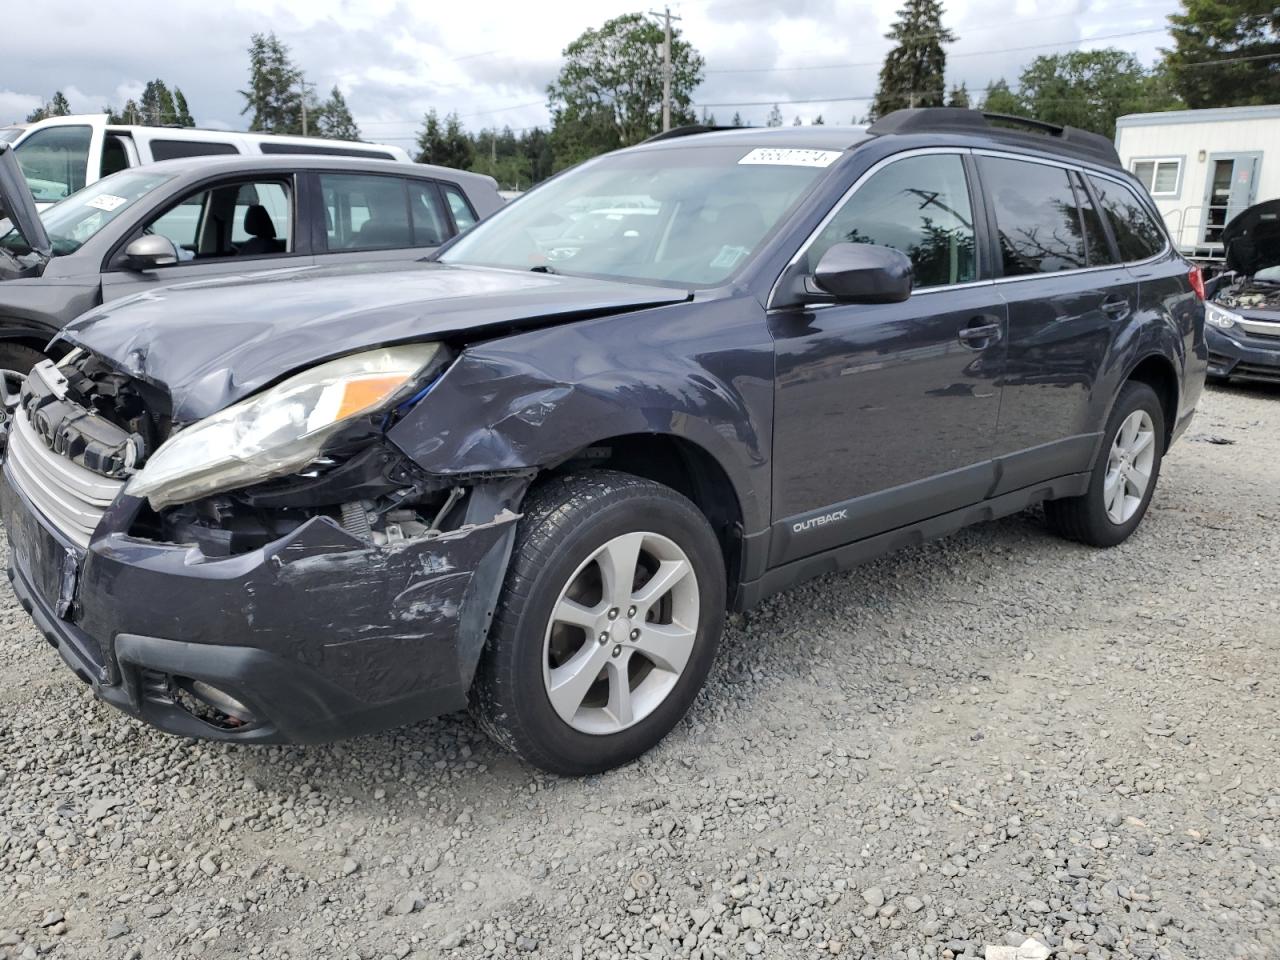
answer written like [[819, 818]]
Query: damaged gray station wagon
[[533, 474]]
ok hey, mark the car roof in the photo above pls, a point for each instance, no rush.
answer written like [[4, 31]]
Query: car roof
[[251, 163], [960, 126], [820, 137]]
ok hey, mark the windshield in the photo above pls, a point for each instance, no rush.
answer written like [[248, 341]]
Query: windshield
[[72, 221], [690, 216]]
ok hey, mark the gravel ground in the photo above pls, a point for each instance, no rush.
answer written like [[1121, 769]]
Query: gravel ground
[[990, 738]]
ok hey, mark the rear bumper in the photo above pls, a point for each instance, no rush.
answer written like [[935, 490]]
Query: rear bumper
[[319, 635], [1244, 356]]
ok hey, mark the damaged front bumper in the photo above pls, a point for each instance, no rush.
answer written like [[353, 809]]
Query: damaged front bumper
[[317, 636], [1247, 354]]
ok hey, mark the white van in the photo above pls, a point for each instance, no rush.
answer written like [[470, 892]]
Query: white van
[[62, 154]]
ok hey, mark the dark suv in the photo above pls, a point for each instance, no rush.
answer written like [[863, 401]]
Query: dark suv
[[533, 474]]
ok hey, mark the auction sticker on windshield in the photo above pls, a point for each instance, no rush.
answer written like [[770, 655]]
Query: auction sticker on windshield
[[789, 157], [107, 202]]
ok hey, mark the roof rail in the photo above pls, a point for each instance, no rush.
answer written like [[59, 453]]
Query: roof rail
[[687, 130], [961, 120]]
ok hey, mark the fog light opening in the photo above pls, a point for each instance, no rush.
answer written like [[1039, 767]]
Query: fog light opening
[[211, 704]]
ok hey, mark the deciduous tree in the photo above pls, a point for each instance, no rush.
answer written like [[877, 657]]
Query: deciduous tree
[[609, 91]]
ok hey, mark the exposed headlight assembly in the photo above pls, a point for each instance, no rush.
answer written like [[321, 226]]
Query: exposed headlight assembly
[[1218, 317], [279, 430]]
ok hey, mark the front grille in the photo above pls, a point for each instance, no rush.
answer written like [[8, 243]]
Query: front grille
[[71, 498]]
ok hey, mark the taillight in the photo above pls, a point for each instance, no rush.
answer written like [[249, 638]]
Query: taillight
[[1197, 281]]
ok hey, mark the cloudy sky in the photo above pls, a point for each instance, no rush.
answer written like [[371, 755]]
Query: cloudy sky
[[491, 62]]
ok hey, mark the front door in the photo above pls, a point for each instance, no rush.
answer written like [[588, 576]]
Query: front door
[[1231, 187], [230, 228], [885, 413]]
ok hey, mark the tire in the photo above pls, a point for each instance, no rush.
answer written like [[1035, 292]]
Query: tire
[[16, 361], [572, 526], [1087, 518]]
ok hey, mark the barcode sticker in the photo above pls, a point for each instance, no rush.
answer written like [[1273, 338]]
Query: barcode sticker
[[791, 157]]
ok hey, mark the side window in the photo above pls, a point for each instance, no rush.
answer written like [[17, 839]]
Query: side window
[[919, 205], [242, 219], [54, 161], [1095, 236], [115, 155], [1137, 235], [430, 226], [180, 149], [463, 215], [366, 212], [181, 224], [1037, 219]]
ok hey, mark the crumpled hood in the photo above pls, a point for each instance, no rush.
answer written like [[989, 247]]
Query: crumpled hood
[[212, 342], [1251, 240]]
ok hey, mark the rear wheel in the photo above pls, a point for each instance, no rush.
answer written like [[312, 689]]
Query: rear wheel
[[1124, 478], [607, 625]]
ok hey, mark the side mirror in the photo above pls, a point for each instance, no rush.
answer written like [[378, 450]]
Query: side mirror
[[149, 252], [863, 273]]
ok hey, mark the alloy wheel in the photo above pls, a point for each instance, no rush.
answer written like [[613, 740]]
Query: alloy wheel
[[621, 633], [1129, 466]]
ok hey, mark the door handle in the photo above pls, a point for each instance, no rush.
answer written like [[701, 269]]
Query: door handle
[[980, 333], [1117, 307]]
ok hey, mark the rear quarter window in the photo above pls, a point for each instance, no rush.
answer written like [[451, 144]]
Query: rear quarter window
[[1138, 236], [181, 149]]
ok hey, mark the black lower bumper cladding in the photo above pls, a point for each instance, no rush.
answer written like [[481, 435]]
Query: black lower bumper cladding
[[318, 635]]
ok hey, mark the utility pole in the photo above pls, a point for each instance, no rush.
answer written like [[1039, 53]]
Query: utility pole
[[666, 64], [304, 84]]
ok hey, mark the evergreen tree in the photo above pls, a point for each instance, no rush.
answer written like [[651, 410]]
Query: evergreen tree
[[958, 97], [430, 139], [913, 72], [818, 121], [183, 118], [334, 120], [157, 104], [775, 117], [57, 107], [797, 121], [1246, 32], [273, 94], [737, 119]]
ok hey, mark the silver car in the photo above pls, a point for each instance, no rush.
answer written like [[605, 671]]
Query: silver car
[[184, 220]]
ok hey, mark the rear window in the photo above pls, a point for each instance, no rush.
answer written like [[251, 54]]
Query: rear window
[[324, 151], [1137, 235], [1037, 218], [181, 149]]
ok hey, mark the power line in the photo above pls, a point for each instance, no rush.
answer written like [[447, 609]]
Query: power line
[[972, 53]]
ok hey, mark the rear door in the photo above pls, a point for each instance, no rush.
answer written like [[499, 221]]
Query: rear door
[[377, 217], [1068, 298], [885, 414]]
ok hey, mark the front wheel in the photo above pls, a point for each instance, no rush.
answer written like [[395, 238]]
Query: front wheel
[[607, 625], [1124, 478]]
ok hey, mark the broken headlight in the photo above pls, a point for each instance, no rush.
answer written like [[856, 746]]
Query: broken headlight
[[1216, 316], [278, 431]]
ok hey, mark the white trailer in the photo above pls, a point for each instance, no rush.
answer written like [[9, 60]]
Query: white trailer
[[1203, 167]]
